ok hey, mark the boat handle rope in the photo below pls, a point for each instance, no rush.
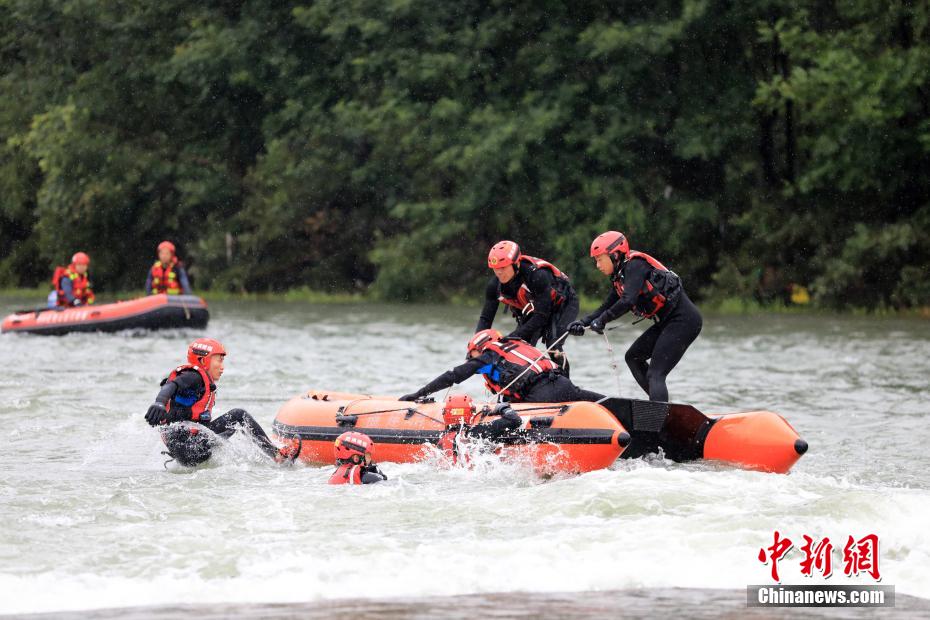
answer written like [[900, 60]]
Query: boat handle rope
[[410, 412]]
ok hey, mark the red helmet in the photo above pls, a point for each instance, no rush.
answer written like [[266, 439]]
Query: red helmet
[[203, 348], [351, 444], [459, 409], [80, 259], [610, 242], [502, 254], [166, 245], [480, 340]]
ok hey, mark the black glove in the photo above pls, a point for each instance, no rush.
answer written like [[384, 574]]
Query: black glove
[[411, 397], [576, 328], [157, 414], [597, 326]]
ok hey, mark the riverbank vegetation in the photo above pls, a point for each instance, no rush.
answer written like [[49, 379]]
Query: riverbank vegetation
[[772, 152]]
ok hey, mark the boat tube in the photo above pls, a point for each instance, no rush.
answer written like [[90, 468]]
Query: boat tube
[[560, 437], [151, 312], [757, 440], [568, 437]]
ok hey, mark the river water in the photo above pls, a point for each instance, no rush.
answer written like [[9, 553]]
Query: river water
[[90, 518]]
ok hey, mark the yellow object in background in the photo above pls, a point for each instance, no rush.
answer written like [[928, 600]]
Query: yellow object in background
[[800, 295]]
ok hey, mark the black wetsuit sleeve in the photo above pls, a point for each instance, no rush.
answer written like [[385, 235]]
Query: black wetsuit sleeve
[[634, 275], [456, 375], [612, 298], [167, 392], [507, 422], [184, 382], [371, 474], [491, 302], [540, 282]]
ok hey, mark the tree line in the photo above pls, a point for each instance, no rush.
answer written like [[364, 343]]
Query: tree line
[[385, 145]]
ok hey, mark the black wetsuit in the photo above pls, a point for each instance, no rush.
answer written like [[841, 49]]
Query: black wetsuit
[[659, 349], [549, 387], [185, 390], [547, 320]]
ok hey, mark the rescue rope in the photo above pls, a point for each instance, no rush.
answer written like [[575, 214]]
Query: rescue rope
[[613, 362]]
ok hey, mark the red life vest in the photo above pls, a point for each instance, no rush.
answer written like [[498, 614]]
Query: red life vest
[[165, 278], [347, 473], [524, 298], [513, 358], [209, 396], [661, 288], [80, 285]]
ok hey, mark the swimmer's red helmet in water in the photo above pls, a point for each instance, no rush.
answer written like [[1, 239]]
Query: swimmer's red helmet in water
[[353, 447]]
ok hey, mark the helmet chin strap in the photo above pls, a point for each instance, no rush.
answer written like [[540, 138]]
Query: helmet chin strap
[[617, 261]]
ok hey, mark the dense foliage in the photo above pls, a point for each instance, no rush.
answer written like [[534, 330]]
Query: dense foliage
[[341, 144]]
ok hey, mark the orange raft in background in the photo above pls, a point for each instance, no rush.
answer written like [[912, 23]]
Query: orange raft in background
[[151, 312], [568, 437]]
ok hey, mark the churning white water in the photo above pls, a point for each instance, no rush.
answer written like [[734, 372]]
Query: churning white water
[[90, 518]]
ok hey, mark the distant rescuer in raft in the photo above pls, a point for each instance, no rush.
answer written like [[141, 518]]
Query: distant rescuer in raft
[[644, 286], [72, 284], [353, 460], [183, 410], [167, 275], [540, 297], [511, 368]]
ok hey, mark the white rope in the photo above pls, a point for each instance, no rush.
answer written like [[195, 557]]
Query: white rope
[[613, 363]]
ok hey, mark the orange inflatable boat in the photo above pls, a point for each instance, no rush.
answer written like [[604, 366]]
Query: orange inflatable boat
[[567, 437], [572, 437], [152, 312]]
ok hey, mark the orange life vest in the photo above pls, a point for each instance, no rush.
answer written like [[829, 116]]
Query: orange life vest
[[205, 404], [513, 358], [522, 303], [661, 288], [80, 285], [165, 278], [347, 473]]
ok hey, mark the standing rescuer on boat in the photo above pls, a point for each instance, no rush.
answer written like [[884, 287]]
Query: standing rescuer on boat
[[540, 297], [644, 286], [167, 275], [511, 368], [459, 415], [353, 460], [183, 408], [72, 286]]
